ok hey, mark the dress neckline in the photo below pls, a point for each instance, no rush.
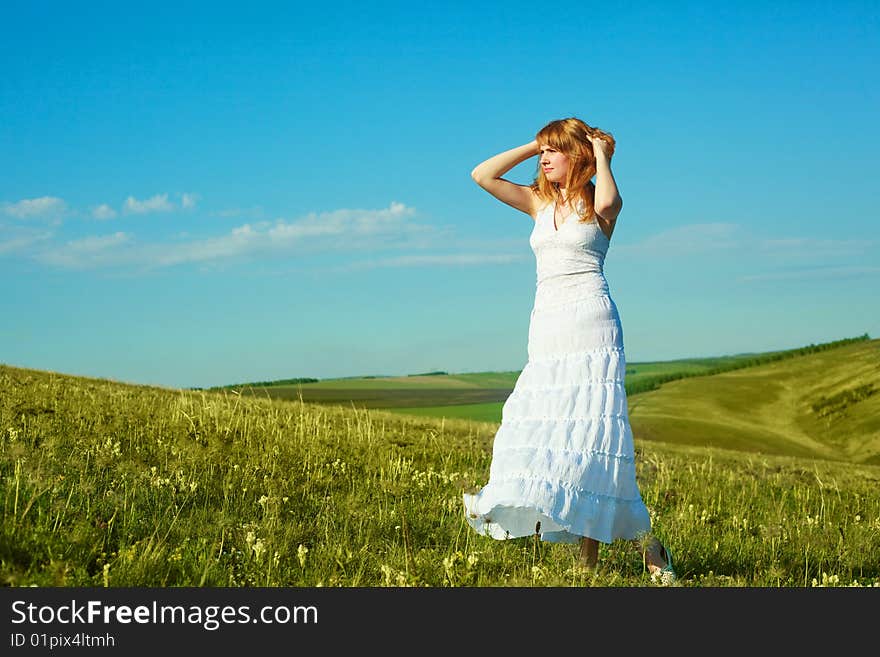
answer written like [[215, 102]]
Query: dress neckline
[[564, 217], [556, 228]]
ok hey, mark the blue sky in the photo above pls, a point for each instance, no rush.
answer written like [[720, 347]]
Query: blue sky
[[195, 194]]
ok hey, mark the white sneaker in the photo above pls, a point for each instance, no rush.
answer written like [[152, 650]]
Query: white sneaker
[[665, 576]]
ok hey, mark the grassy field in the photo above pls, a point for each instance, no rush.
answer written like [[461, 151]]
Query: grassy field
[[112, 484]]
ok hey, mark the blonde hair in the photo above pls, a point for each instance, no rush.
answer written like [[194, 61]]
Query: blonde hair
[[571, 137]]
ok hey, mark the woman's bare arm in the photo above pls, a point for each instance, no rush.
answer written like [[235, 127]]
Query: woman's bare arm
[[488, 176], [607, 201]]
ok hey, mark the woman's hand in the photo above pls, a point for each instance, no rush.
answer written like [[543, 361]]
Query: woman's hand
[[600, 147]]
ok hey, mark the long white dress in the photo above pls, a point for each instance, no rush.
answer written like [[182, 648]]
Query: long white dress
[[563, 458]]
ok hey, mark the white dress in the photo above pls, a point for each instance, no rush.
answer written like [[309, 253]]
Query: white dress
[[563, 458]]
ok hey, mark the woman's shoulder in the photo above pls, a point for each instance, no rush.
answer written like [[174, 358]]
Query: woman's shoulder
[[541, 206]]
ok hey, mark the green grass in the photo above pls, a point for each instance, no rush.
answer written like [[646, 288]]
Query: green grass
[[105, 483]]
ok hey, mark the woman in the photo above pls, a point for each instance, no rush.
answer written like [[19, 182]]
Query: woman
[[563, 458]]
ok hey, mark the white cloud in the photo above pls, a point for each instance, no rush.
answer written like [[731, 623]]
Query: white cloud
[[816, 248], [452, 259], [22, 242], [88, 252], [45, 206], [189, 200], [719, 239], [103, 211], [814, 273], [346, 229], [157, 203], [349, 222], [340, 229], [679, 240], [97, 243]]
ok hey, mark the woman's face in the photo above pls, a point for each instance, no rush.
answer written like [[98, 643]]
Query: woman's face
[[554, 164]]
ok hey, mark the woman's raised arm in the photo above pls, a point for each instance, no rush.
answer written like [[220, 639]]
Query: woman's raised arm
[[488, 176]]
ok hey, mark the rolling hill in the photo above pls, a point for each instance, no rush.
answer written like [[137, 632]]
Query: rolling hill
[[822, 405]]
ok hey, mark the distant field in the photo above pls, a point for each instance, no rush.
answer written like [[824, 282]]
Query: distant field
[[480, 396], [475, 394]]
